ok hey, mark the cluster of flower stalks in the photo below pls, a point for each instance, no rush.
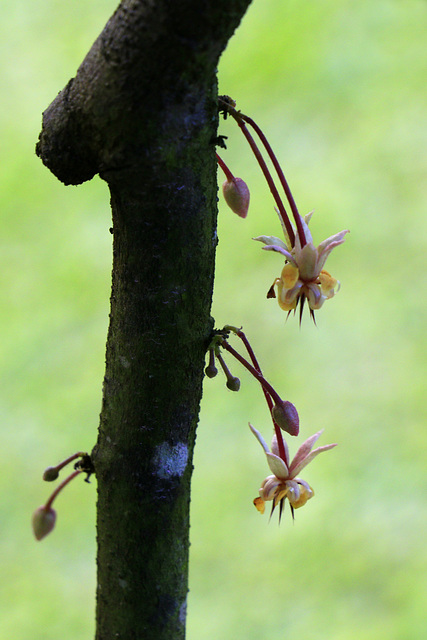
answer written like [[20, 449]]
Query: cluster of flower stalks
[[303, 277], [44, 518], [303, 280], [284, 483]]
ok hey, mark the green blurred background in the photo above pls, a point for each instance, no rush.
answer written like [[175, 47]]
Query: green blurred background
[[340, 90]]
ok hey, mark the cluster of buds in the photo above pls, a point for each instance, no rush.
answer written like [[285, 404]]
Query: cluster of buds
[[303, 277], [283, 412], [44, 518]]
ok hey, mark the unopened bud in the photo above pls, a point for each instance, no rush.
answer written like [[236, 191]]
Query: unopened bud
[[236, 195], [286, 416], [211, 371], [43, 521], [233, 383], [50, 474]]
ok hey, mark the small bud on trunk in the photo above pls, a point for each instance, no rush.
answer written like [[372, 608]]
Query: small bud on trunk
[[236, 195]]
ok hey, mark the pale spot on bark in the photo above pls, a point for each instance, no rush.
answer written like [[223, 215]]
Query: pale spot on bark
[[170, 460]]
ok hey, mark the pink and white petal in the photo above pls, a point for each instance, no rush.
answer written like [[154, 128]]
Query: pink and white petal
[[306, 259], [284, 252], [259, 437], [277, 466], [304, 450], [294, 489], [296, 469], [314, 295], [269, 488], [271, 240], [306, 485], [307, 217], [325, 247], [304, 494]]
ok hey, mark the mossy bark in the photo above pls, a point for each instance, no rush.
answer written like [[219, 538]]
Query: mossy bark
[[142, 113]]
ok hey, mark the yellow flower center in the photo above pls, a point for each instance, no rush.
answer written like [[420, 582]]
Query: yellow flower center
[[290, 275]]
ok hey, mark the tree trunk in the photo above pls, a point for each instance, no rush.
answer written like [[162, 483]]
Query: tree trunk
[[142, 113]]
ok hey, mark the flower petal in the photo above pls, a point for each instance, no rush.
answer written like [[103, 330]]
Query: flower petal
[[307, 217], [307, 232], [310, 457], [277, 466], [304, 450], [260, 439], [314, 296], [270, 240], [307, 262], [299, 493], [325, 247], [284, 252], [269, 488]]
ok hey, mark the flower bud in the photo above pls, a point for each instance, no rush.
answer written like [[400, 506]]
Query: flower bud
[[211, 371], [286, 416], [43, 521], [233, 383], [236, 195], [50, 474]]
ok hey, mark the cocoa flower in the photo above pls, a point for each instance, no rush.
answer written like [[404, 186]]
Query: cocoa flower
[[303, 276], [284, 482]]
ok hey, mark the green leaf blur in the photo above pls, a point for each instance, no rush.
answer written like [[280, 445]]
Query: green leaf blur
[[339, 89]]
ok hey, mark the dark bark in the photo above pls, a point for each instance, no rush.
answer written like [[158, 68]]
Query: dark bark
[[142, 113]]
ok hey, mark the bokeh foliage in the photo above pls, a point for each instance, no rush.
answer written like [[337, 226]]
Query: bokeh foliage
[[339, 89]]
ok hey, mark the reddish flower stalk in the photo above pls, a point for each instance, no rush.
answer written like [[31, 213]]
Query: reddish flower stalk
[[255, 363], [44, 518], [51, 473], [224, 167], [281, 176], [241, 118], [268, 177], [60, 487], [233, 383], [269, 392]]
